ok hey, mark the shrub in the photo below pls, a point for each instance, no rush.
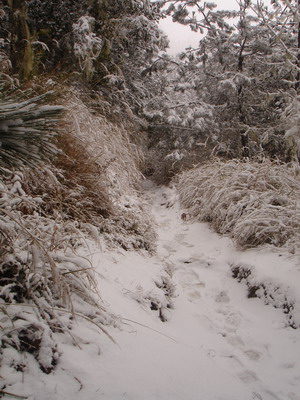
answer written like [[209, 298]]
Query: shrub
[[254, 202]]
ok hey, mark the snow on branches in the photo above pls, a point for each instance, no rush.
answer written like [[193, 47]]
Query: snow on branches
[[87, 46]]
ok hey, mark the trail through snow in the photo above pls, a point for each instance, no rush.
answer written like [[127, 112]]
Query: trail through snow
[[228, 346], [217, 344]]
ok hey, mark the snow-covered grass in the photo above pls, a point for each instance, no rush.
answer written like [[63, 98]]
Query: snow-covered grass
[[96, 176], [118, 162], [254, 202], [44, 282]]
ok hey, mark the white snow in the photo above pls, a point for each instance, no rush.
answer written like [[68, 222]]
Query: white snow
[[216, 343]]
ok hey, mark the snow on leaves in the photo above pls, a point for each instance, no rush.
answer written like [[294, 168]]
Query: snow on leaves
[[87, 46], [27, 129]]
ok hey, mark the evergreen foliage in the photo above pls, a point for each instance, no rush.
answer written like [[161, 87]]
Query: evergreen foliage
[[243, 75], [27, 132], [126, 29]]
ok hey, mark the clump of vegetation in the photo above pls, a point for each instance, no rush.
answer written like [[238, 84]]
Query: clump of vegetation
[[255, 203], [26, 131], [67, 183], [101, 160], [270, 292], [44, 283]]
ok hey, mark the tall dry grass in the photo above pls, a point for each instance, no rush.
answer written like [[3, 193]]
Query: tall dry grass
[[255, 203]]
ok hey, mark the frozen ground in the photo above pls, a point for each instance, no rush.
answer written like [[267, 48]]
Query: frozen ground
[[215, 343]]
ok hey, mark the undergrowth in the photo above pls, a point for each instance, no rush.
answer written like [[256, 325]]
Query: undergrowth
[[50, 216], [44, 283], [255, 203], [96, 177]]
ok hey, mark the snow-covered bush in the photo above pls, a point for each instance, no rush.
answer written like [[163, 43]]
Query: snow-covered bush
[[290, 117], [271, 292], [144, 32], [87, 46], [254, 202]]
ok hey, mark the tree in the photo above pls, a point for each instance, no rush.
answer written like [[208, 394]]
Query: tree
[[45, 35], [245, 73], [282, 22], [16, 31]]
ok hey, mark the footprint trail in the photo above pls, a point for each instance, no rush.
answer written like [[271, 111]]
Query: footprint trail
[[241, 335]]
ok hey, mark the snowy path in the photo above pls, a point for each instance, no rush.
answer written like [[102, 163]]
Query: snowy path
[[216, 344], [227, 347], [239, 347]]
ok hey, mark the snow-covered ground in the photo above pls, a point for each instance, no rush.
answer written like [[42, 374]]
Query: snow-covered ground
[[186, 328]]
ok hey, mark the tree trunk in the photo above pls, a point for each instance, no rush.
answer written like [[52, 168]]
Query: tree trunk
[[21, 50], [244, 137], [297, 85]]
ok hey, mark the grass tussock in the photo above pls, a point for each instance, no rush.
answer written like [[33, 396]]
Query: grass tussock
[[255, 203], [107, 143], [112, 157]]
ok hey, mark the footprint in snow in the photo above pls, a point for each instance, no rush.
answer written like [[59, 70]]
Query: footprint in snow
[[190, 283], [233, 319], [165, 223], [186, 244], [193, 295], [196, 261], [222, 297], [248, 376], [253, 355], [235, 340], [169, 248], [190, 276], [179, 237]]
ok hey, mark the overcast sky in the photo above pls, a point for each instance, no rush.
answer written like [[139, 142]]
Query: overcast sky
[[181, 36]]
